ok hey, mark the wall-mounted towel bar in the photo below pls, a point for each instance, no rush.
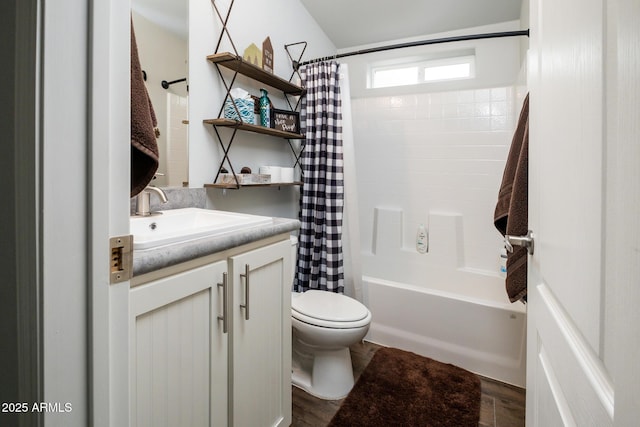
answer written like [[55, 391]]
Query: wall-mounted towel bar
[[165, 84]]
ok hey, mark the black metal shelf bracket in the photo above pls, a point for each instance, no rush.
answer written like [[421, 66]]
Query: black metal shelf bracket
[[296, 70], [295, 63], [226, 156], [225, 29]]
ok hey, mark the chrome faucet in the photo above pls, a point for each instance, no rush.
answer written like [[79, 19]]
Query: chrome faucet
[[143, 200]]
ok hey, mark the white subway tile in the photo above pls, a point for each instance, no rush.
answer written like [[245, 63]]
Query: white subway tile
[[482, 95], [499, 108], [498, 94], [482, 109]]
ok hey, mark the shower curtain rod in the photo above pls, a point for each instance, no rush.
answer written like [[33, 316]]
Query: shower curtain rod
[[421, 43]]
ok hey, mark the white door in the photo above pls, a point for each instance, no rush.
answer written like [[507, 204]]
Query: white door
[[581, 322]]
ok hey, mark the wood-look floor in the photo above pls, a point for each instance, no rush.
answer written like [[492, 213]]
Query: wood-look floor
[[502, 404]]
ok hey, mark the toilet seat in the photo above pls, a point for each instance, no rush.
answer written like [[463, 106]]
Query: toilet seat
[[329, 310]]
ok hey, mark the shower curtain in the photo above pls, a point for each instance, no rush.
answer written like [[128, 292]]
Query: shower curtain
[[320, 256], [350, 224]]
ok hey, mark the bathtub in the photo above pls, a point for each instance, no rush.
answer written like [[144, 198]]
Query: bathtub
[[483, 334]]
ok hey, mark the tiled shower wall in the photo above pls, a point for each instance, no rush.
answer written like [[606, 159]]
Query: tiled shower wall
[[177, 140], [436, 153]]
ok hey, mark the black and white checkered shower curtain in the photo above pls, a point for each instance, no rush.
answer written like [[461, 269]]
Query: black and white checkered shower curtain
[[320, 264]]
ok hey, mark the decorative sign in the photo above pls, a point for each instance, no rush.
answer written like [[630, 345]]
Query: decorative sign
[[287, 121], [267, 55], [253, 55]]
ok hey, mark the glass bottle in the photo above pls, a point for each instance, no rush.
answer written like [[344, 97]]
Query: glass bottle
[[265, 109]]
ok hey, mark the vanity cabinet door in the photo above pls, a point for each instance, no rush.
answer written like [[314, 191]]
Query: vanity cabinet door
[[178, 350], [261, 363]]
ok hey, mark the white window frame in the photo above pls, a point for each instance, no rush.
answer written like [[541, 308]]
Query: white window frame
[[421, 66]]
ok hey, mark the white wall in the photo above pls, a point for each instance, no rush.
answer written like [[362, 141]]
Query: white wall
[[163, 56], [435, 154], [284, 22]]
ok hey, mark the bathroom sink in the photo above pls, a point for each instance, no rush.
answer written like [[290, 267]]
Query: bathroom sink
[[183, 225]]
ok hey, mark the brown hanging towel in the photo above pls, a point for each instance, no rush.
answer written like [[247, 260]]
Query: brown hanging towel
[[511, 214], [144, 148]]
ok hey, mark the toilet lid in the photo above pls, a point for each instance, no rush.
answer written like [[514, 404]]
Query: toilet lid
[[329, 306]]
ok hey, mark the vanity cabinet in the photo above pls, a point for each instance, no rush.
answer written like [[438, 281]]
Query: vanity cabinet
[[191, 366]]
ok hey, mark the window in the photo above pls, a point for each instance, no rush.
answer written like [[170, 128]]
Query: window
[[397, 76], [424, 71]]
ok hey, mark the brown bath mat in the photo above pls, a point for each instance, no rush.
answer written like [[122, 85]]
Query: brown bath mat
[[399, 388]]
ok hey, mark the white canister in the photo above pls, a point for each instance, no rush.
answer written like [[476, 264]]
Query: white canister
[[286, 174], [274, 171]]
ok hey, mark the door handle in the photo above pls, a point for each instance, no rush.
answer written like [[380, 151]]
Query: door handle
[[225, 302], [524, 241], [246, 293]]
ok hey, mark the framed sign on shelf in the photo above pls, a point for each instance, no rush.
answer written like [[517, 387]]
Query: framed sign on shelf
[[287, 121]]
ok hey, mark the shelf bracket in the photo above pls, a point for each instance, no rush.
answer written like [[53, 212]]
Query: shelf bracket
[[226, 156], [298, 154], [295, 63], [225, 29], [228, 94]]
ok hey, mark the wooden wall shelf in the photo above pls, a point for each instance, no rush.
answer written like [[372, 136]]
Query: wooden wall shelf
[[237, 64], [235, 187], [253, 128]]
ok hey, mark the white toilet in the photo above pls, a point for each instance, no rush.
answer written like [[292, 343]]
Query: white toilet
[[324, 325]]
